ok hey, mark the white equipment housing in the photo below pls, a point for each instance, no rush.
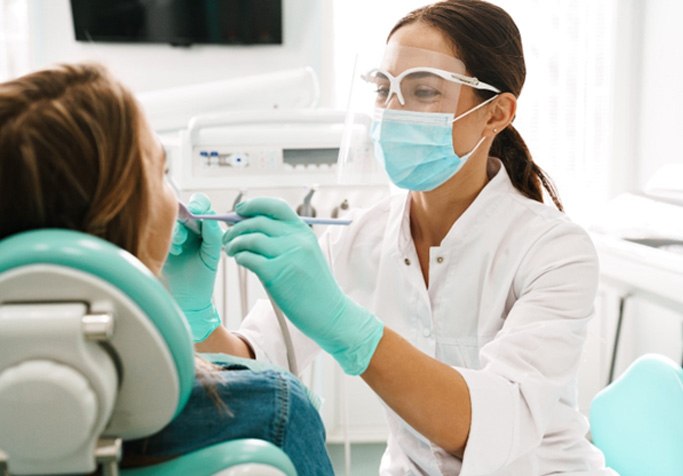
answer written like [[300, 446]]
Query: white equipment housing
[[170, 109], [290, 153], [262, 149]]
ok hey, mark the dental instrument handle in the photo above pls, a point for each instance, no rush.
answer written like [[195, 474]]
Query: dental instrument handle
[[192, 224], [233, 218]]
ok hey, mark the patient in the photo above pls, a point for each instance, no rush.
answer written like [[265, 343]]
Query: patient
[[77, 153]]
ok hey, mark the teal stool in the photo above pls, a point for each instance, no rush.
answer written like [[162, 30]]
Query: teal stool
[[93, 351], [637, 420]]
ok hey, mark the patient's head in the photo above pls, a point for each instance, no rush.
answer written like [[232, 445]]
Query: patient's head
[[77, 153]]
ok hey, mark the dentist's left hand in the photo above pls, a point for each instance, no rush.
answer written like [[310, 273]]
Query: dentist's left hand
[[190, 270]]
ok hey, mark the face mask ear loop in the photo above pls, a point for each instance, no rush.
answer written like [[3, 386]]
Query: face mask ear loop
[[475, 108], [465, 157], [474, 149]]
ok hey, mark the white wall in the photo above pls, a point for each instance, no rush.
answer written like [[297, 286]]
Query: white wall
[[143, 67], [649, 102], [661, 95]]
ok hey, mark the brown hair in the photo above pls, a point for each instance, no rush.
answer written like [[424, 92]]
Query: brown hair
[[71, 155], [488, 42]]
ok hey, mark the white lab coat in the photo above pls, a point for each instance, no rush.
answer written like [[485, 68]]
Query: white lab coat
[[511, 290]]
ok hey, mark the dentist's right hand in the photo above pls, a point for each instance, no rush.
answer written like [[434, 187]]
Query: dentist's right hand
[[284, 253]]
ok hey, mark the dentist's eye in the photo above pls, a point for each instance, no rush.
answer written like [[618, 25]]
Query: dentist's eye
[[426, 93], [382, 92]]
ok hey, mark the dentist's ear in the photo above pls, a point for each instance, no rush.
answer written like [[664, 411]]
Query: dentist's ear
[[502, 112]]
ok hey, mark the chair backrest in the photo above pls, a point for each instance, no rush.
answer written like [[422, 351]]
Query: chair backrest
[[92, 346], [637, 420]]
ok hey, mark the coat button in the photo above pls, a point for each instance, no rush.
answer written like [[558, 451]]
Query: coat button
[[439, 259], [426, 332], [407, 262]]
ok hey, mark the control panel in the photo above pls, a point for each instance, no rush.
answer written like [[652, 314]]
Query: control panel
[[221, 160], [260, 149]]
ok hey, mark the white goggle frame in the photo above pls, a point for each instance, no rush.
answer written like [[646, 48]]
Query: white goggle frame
[[395, 81]]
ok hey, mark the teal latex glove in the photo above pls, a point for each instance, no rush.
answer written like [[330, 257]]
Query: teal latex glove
[[190, 270], [284, 253]]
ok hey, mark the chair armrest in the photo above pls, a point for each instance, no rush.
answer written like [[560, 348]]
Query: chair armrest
[[214, 459]]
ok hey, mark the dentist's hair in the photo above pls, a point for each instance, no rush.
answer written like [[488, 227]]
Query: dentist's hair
[[71, 155], [487, 40]]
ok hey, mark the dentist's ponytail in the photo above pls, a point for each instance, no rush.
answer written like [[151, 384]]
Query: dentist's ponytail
[[524, 173], [486, 39]]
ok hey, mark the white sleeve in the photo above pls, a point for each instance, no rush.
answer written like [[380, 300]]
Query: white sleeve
[[261, 329], [535, 355]]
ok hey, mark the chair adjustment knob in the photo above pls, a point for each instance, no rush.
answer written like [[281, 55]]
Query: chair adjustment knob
[[47, 410]]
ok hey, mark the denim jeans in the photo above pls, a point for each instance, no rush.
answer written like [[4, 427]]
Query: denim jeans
[[269, 404]]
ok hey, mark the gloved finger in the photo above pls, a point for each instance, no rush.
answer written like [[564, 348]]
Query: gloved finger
[[210, 249], [179, 234], [178, 239], [175, 250], [257, 264], [259, 244], [199, 203], [259, 224], [211, 244], [212, 233], [271, 207]]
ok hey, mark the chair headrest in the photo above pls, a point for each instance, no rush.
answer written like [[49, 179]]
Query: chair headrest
[[637, 420], [103, 261]]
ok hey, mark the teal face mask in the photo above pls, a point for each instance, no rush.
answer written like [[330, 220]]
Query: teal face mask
[[416, 148]]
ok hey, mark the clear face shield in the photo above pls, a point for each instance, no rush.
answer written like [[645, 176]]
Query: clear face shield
[[405, 79]]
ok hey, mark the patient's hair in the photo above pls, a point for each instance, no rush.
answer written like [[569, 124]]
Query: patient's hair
[[71, 155]]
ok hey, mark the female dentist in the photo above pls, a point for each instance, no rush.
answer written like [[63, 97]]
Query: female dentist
[[463, 303]]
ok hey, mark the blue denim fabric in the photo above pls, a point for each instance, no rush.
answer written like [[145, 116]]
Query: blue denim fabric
[[271, 405]]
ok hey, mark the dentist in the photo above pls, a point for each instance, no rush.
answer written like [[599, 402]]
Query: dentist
[[462, 303]]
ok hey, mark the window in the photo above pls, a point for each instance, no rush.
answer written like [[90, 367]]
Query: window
[[565, 111], [14, 39]]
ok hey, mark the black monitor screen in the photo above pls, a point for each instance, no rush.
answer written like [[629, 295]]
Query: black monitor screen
[[179, 22]]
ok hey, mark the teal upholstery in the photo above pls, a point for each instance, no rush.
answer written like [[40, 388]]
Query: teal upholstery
[[637, 420], [210, 460], [106, 261]]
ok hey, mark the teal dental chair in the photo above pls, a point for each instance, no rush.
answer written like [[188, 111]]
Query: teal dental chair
[[637, 420], [93, 351]]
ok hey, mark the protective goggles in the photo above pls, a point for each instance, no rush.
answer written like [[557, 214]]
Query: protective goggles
[[421, 88]]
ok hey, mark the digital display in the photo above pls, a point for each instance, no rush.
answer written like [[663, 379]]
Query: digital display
[[179, 22]]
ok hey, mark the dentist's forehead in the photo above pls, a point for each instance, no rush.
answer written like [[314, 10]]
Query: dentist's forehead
[[399, 58]]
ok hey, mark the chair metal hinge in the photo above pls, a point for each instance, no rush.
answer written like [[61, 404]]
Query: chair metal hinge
[[108, 454], [4, 470], [98, 327]]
